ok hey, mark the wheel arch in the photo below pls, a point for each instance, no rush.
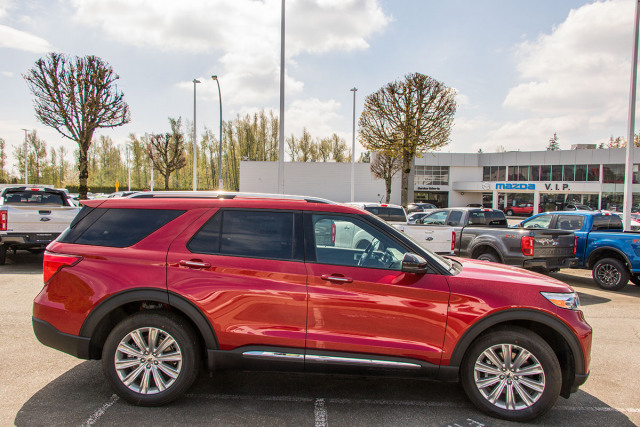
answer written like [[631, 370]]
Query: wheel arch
[[483, 247], [109, 312], [606, 252], [557, 334]]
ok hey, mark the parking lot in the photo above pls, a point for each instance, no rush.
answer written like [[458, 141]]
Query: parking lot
[[41, 386]]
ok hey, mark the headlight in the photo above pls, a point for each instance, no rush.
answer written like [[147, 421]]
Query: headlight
[[570, 301]]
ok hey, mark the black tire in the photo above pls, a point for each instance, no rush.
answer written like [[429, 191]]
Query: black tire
[[149, 365], [635, 280], [610, 274], [3, 254], [541, 388], [509, 212], [488, 256]]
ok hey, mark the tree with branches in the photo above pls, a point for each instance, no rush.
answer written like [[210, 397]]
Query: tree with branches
[[407, 118], [167, 151], [553, 143], [76, 96], [385, 167]]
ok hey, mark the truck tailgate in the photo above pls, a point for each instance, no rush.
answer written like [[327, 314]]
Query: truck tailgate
[[553, 243], [39, 219], [435, 238]]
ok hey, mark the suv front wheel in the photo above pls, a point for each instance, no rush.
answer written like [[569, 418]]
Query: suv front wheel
[[150, 358], [511, 374]]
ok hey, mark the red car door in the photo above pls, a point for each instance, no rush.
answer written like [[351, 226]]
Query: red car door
[[244, 270], [360, 301]]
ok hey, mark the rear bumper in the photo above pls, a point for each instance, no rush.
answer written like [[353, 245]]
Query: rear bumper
[[28, 240], [48, 335], [549, 263]]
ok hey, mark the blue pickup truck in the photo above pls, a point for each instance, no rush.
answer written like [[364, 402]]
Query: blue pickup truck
[[602, 246]]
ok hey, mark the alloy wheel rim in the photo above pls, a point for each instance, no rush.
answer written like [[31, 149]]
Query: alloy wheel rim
[[509, 377], [148, 360], [608, 274]]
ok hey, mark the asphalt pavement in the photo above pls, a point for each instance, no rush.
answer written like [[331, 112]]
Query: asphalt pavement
[[41, 386]]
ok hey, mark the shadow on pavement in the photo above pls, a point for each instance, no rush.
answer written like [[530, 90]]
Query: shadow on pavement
[[22, 262], [630, 289], [81, 397]]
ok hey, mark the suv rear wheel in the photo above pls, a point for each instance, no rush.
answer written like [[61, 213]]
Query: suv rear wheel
[[511, 374], [150, 358]]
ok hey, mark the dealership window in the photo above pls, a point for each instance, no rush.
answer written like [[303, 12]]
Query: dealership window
[[545, 173], [581, 172], [593, 173], [613, 174], [431, 175], [513, 173], [523, 173], [486, 173], [535, 173], [568, 173], [556, 173]]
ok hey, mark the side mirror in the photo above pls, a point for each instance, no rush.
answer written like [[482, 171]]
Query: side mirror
[[413, 263]]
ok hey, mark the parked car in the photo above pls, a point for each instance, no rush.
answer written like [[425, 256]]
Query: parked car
[[391, 213], [613, 255], [32, 217], [521, 209], [484, 234], [154, 284], [577, 207], [420, 207]]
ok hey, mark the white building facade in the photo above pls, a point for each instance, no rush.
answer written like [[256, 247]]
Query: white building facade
[[546, 179]]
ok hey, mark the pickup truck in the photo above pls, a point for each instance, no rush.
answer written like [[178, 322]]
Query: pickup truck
[[602, 246], [484, 234], [32, 217]]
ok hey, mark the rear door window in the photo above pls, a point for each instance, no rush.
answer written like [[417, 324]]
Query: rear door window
[[607, 222], [487, 218]]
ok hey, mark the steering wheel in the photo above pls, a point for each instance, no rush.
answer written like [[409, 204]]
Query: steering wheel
[[368, 251]]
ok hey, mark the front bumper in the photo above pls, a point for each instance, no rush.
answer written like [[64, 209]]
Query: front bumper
[[48, 335]]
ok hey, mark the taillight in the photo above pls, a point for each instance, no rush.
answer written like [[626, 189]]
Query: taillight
[[575, 245], [526, 244], [53, 263], [453, 241], [3, 220]]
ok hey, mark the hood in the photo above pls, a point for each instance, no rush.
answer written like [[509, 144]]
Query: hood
[[486, 273]]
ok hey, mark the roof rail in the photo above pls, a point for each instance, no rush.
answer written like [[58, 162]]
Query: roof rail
[[223, 195]]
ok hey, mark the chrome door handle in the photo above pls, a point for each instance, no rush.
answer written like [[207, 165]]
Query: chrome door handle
[[338, 279], [428, 239], [194, 264]]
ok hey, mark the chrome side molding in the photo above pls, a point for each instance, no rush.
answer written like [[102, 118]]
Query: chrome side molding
[[356, 361]]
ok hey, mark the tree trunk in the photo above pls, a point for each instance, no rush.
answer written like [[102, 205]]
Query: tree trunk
[[83, 171], [388, 185], [166, 181], [406, 170]]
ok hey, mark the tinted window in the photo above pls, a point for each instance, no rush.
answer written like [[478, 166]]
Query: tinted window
[[455, 219], [257, 234], [607, 222], [487, 218], [387, 213], [34, 198], [570, 222], [207, 239], [119, 228]]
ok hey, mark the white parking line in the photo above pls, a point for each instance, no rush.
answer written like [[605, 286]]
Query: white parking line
[[100, 412], [320, 413]]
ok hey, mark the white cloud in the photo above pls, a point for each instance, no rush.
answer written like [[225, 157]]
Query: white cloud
[[245, 34], [7, 73], [16, 39], [316, 115]]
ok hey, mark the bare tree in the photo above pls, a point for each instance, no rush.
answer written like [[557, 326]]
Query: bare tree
[[408, 118], [325, 149], [306, 147], [167, 151], [385, 167], [339, 149], [76, 96]]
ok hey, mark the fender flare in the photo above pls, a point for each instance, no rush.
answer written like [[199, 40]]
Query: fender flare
[[105, 307], [519, 314], [592, 259], [487, 243]]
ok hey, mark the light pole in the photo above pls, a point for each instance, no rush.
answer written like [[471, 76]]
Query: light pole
[[353, 148], [195, 146], [220, 186], [281, 130], [26, 158]]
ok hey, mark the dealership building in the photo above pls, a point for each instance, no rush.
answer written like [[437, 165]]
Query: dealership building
[[546, 179]]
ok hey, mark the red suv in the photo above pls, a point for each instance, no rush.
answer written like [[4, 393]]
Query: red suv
[[155, 283]]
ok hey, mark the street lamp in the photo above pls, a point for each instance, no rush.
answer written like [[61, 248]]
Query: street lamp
[[195, 159], [26, 158], [220, 187], [353, 147]]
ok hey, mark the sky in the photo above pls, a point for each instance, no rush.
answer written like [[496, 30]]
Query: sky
[[523, 70]]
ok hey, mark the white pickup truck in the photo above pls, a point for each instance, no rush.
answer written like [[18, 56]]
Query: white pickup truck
[[32, 217]]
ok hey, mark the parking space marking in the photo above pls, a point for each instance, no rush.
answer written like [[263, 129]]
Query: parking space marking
[[320, 413], [100, 412]]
